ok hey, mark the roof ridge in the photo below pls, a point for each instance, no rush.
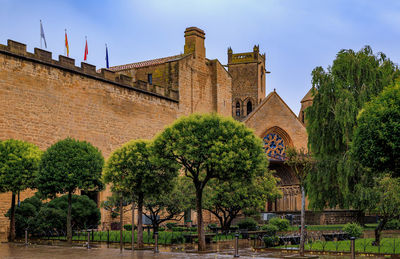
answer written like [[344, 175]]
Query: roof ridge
[[145, 63]]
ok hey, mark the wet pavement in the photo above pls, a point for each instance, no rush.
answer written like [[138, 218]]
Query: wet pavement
[[19, 251]]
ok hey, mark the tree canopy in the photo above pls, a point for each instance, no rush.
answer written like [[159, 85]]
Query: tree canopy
[[69, 165], [339, 94], [169, 204], [375, 157], [19, 164], [132, 170], [210, 147], [226, 199], [376, 143]]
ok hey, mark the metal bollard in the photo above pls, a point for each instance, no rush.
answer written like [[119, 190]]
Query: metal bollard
[[236, 245], [353, 247], [26, 237], [88, 240], [156, 242], [108, 238]]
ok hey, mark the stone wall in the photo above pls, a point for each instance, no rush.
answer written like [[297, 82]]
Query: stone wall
[[43, 101]]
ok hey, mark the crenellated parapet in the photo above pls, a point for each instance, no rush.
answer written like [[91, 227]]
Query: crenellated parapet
[[18, 50], [246, 57]]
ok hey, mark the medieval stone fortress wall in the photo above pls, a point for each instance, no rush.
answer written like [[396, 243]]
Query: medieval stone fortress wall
[[44, 100]]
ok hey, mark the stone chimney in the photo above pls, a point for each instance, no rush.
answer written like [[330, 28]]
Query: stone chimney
[[194, 42]]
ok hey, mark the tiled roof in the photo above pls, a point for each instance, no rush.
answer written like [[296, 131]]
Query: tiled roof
[[146, 63]]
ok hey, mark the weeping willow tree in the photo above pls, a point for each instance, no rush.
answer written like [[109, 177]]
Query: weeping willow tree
[[339, 94]]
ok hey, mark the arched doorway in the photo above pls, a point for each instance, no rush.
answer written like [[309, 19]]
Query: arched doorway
[[276, 140]]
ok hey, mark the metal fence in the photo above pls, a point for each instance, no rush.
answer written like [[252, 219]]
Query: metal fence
[[113, 236], [337, 241]]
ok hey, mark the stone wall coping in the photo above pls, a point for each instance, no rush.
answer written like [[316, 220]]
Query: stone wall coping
[[18, 50]]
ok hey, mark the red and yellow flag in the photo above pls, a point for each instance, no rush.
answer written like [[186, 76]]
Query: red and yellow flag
[[66, 43]]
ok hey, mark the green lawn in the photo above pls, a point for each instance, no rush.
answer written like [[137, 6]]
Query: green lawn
[[388, 246], [330, 227]]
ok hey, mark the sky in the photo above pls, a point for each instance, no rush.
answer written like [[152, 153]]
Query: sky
[[296, 35]]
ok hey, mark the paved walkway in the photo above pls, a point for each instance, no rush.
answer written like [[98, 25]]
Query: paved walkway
[[19, 251]]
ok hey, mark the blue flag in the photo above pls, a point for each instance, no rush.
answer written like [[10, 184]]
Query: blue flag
[[107, 65]]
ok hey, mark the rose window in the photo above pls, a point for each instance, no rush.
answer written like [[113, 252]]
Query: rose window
[[274, 146]]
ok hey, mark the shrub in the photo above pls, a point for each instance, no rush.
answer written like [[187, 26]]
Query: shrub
[[85, 213], [128, 227], [282, 224], [212, 225], [270, 229], [26, 215], [170, 225], [353, 230], [271, 241], [183, 229], [393, 224], [248, 223], [177, 239], [41, 218]]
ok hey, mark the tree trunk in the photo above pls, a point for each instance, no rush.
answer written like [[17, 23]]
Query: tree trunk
[[200, 229], [303, 216], [69, 227], [378, 231], [155, 228], [228, 222], [133, 224], [11, 236], [121, 223], [140, 222]]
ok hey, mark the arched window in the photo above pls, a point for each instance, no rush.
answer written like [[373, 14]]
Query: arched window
[[237, 109], [275, 142], [249, 107]]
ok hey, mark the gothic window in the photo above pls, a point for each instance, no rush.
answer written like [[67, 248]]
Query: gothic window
[[274, 146], [249, 107], [237, 109]]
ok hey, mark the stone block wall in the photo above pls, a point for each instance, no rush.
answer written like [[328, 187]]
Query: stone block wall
[[44, 100]]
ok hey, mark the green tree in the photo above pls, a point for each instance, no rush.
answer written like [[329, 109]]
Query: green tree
[[302, 164], [226, 199], [67, 166], [339, 94], [387, 202], [210, 147], [132, 170], [19, 163], [168, 204], [375, 151], [112, 204]]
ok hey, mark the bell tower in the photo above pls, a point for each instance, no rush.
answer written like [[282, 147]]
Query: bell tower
[[248, 81]]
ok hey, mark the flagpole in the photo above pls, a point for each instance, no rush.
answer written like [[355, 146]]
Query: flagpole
[[40, 33]]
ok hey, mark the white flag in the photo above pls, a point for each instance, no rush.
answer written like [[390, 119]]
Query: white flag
[[42, 35]]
